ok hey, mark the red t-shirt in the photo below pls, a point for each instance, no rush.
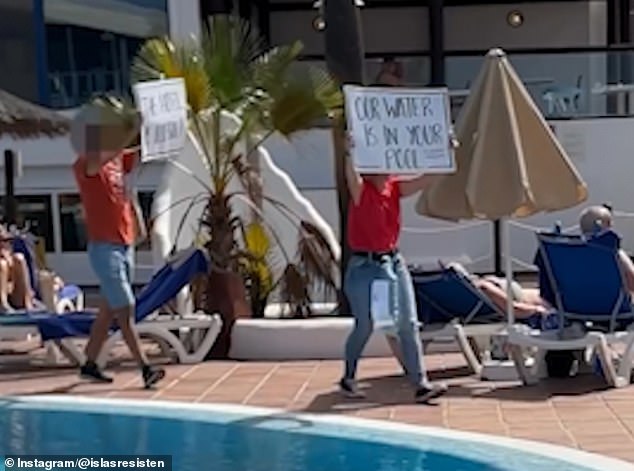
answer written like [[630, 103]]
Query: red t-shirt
[[107, 207], [374, 224]]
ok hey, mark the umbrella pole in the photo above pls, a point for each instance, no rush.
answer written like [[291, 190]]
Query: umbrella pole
[[9, 188], [508, 268], [497, 247]]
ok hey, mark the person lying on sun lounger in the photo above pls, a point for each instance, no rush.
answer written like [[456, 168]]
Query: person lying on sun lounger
[[15, 285], [526, 301]]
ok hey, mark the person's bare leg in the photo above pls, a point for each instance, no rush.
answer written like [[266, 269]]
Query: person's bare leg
[[498, 296], [125, 319], [21, 297], [4, 286], [130, 335], [99, 332]]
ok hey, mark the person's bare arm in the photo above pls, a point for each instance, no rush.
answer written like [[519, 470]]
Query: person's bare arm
[[411, 186], [132, 158], [96, 160], [353, 179], [628, 269]]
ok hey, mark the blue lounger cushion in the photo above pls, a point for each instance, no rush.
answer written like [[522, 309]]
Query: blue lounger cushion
[[162, 288]]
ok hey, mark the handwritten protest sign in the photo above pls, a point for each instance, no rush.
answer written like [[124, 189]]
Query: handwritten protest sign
[[163, 106], [400, 130]]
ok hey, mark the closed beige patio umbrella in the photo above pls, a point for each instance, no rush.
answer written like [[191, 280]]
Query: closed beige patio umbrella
[[509, 163]]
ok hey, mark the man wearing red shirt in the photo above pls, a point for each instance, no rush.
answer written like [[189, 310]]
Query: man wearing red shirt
[[374, 225], [110, 224]]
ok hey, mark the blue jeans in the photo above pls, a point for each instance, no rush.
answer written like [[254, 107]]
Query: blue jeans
[[360, 274], [113, 264]]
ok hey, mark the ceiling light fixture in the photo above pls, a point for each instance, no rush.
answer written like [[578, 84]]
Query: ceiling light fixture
[[318, 22], [515, 19]]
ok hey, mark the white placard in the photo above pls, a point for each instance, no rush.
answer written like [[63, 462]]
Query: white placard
[[400, 130], [380, 305], [163, 106]]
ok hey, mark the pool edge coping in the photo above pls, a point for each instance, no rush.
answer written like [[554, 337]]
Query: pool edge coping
[[557, 452]]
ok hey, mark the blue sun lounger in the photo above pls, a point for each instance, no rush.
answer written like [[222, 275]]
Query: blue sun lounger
[[582, 278], [450, 305], [449, 302], [202, 329], [449, 296]]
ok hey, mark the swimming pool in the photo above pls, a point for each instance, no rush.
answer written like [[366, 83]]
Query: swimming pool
[[236, 438]]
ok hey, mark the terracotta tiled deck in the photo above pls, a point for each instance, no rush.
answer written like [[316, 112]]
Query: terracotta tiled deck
[[577, 412]]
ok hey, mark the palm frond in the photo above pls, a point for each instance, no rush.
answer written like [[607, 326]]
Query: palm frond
[[230, 45], [315, 267], [267, 69], [260, 266], [160, 58], [257, 240], [231, 70], [305, 95]]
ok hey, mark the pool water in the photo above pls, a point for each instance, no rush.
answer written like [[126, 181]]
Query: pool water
[[226, 438]]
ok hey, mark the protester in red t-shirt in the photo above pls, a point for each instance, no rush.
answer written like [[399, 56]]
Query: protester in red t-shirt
[[110, 223], [374, 224]]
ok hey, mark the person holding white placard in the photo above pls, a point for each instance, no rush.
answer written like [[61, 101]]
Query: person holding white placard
[[101, 134], [374, 224]]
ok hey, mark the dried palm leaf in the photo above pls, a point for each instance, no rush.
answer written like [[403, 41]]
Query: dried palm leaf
[[317, 259], [294, 290]]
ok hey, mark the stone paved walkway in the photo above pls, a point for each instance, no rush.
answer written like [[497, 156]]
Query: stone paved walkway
[[578, 412]]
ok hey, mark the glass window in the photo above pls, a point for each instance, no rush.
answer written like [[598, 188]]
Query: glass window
[[91, 45], [71, 216], [35, 213], [73, 227], [18, 47]]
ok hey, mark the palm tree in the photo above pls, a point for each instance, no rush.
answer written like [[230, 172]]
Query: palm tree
[[345, 59], [231, 71]]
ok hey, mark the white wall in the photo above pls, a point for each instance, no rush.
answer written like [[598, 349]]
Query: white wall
[[600, 149], [183, 18]]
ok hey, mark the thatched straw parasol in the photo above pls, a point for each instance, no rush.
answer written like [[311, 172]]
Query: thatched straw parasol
[[20, 119]]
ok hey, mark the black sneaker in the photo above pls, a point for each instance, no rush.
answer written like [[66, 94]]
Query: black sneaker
[[425, 394], [92, 372], [349, 389], [152, 375]]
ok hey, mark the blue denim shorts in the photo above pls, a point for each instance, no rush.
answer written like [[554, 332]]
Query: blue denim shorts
[[113, 264]]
